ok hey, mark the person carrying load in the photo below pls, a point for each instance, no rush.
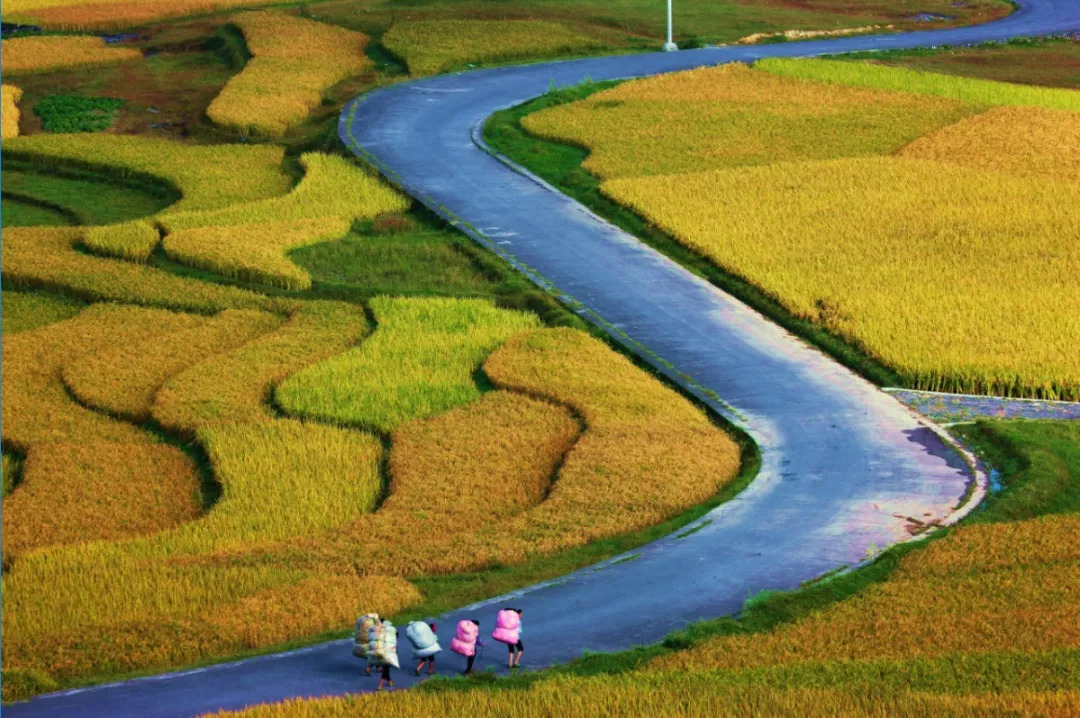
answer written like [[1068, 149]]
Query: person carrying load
[[362, 639], [425, 644], [465, 642], [508, 631], [383, 646]]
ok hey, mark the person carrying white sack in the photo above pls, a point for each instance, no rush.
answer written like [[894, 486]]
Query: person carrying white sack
[[425, 644], [384, 648]]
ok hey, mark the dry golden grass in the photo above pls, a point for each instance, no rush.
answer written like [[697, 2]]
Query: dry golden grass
[[1014, 140], [731, 116], [419, 362], [961, 280], [432, 46], [254, 252], [234, 386], [293, 62], [133, 240], [124, 379], [206, 175], [25, 55], [48, 257], [90, 491], [691, 694], [9, 110]]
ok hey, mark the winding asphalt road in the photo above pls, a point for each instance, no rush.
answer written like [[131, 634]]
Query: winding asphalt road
[[844, 465]]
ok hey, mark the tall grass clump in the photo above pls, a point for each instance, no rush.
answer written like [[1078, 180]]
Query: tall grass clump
[[133, 240], [899, 79], [293, 62], [432, 46]]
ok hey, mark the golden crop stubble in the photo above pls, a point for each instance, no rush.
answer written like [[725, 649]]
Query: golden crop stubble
[[123, 380], [961, 280], [9, 111], [294, 60], [25, 55], [47, 257], [1014, 140], [254, 252], [77, 492], [731, 116], [419, 362], [432, 46]]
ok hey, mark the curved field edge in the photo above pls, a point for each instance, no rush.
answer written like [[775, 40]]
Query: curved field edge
[[1020, 450], [559, 165], [556, 154], [447, 592]]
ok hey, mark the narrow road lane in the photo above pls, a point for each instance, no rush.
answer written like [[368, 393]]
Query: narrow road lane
[[844, 464]]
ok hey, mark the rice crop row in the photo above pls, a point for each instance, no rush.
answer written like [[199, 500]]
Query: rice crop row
[[961, 280], [732, 116], [232, 387], [9, 111], [1020, 141], [123, 380], [111, 14], [332, 187], [133, 240], [205, 175], [681, 695], [48, 257], [254, 252], [294, 60], [25, 55], [432, 46], [882, 77], [420, 362], [72, 493]]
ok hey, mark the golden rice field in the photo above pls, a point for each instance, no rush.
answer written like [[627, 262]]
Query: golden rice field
[[9, 110], [25, 55], [926, 233], [691, 694], [30, 310], [293, 62], [111, 14], [429, 47]]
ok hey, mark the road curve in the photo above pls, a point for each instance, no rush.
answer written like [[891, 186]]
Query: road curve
[[844, 464]]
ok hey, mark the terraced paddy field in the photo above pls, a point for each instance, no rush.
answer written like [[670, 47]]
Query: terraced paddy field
[[922, 218]]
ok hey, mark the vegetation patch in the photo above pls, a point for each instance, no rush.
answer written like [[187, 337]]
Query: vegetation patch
[[25, 55], [75, 113], [432, 46], [29, 310], [9, 110], [293, 62]]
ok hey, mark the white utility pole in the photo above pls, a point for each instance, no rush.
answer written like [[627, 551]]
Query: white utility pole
[[670, 45]]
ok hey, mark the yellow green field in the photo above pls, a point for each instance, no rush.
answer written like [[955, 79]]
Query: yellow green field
[[934, 228]]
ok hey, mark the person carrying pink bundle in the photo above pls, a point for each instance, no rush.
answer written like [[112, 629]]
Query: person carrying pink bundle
[[466, 640], [508, 631]]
